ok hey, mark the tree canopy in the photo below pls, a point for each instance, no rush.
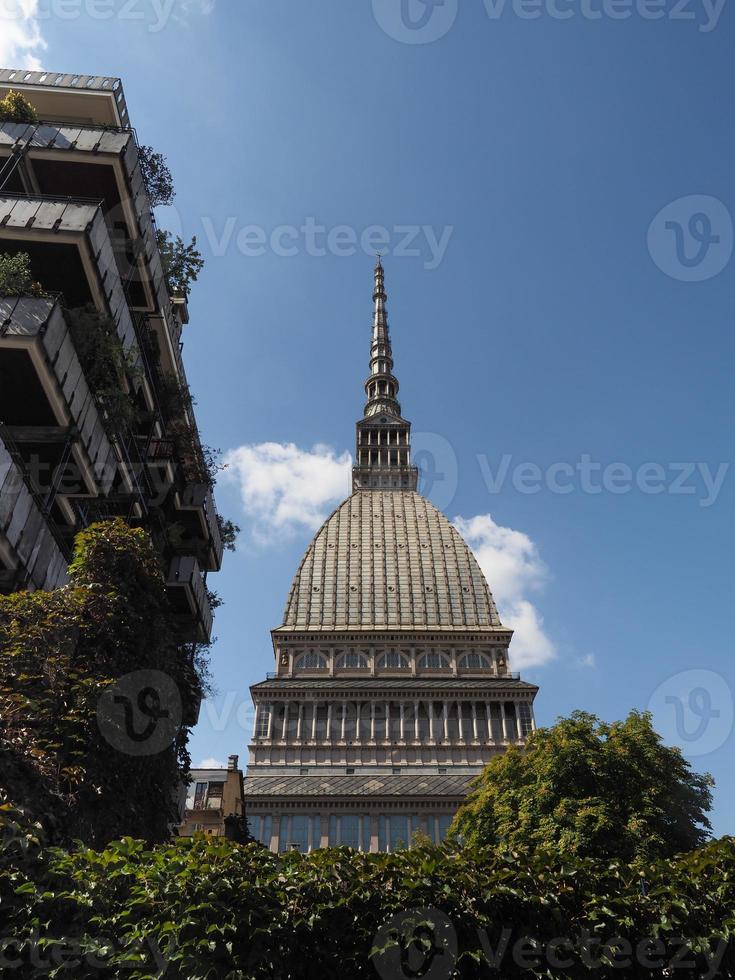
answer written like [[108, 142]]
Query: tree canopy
[[76, 664], [590, 789]]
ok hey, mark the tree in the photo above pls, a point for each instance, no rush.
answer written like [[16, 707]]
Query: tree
[[93, 688], [156, 176], [181, 263], [590, 788], [16, 108], [16, 278]]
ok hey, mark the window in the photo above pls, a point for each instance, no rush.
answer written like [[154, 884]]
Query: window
[[474, 661], [350, 830], [214, 795], [200, 793], [262, 728], [433, 661], [261, 828], [350, 770], [393, 660], [396, 770], [395, 832], [353, 660], [311, 661], [298, 833], [524, 716], [304, 771]]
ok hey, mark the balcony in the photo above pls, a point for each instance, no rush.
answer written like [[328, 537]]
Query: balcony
[[44, 398], [196, 501], [188, 597], [31, 555], [95, 98], [87, 162]]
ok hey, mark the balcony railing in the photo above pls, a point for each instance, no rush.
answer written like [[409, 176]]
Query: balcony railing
[[198, 497], [185, 579], [38, 327], [20, 78], [27, 540]]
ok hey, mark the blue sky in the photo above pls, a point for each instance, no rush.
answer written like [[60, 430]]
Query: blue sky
[[564, 301]]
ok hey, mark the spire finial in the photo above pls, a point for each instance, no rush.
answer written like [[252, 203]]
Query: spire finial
[[383, 436]]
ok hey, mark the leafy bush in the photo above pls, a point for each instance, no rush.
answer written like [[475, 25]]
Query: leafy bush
[[156, 176], [16, 108], [16, 278], [62, 759], [593, 789], [205, 907], [181, 263], [107, 367]]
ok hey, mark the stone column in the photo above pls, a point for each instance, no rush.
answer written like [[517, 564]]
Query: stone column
[[344, 721], [387, 721], [314, 706], [460, 729], [358, 719], [416, 705], [403, 721], [504, 718], [475, 736], [300, 721], [257, 719], [284, 729], [446, 721], [372, 721], [271, 711], [329, 722]]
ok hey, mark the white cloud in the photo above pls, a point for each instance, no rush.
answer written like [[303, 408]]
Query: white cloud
[[587, 661], [209, 764], [20, 34], [286, 489], [513, 568]]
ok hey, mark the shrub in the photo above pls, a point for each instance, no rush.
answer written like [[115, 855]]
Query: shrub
[[16, 278], [205, 907], [156, 176], [65, 756], [16, 108], [107, 367], [181, 263]]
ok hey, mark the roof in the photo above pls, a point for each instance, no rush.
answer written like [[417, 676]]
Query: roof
[[389, 559], [418, 784], [486, 685]]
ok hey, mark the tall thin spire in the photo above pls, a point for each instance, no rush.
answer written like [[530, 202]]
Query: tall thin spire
[[383, 436], [381, 387]]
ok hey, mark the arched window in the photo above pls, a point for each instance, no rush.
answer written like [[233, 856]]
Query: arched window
[[353, 660], [311, 661], [393, 660], [474, 661], [433, 660]]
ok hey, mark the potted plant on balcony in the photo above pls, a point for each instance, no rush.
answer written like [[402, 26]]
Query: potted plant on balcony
[[16, 108]]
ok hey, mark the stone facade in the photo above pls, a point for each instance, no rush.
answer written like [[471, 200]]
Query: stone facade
[[392, 687]]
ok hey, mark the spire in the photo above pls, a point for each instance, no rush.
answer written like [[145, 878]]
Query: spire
[[381, 387], [383, 436]]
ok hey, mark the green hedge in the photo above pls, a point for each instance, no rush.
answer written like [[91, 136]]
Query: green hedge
[[207, 908]]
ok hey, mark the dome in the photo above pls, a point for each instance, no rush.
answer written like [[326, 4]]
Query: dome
[[389, 560]]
